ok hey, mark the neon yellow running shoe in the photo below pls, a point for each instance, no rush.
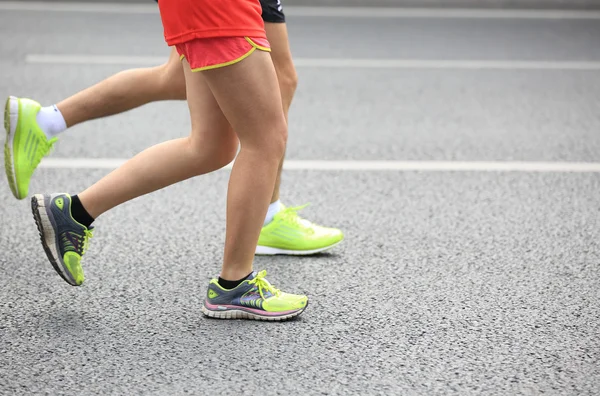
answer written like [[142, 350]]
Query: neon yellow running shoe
[[64, 239], [255, 298], [26, 144], [290, 234]]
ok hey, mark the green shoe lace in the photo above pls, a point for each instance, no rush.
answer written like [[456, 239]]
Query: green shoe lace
[[83, 241], [291, 215], [264, 285], [87, 235], [43, 149]]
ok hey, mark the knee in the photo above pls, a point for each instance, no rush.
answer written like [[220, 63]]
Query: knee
[[274, 146], [172, 80], [288, 78], [222, 151], [227, 150]]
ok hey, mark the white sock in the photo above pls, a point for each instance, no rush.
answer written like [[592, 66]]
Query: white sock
[[51, 121], [274, 208]]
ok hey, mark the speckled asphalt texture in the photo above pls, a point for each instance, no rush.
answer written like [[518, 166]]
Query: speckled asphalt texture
[[448, 283]]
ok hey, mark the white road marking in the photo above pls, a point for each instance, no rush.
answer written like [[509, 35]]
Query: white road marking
[[91, 8], [81, 59], [340, 63], [399, 166], [328, 12], [438, 13], [448, 64]]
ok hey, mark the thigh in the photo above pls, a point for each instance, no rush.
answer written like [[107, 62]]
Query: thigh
[[281, 53], [175, 72], [209, 124], [248, 94]]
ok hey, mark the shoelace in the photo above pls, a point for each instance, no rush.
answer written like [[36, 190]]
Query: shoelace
[[87, 235], [44, 148], [263, 285], [291, 214]]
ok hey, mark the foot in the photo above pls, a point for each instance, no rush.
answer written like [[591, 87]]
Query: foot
[[64, 239], [255, 298], [290, 234], [26, 144]]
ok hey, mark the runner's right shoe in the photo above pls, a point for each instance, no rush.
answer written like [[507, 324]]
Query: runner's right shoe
[[255, 298], [64, 239]]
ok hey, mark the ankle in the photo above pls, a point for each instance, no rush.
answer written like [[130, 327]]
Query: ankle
[[51, 121], [230, 272], [79, 213], [274, 208], [232, 284]]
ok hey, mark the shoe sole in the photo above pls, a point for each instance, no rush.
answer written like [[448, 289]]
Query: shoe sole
[[11, 118], [270, 251], [241, 314], [44, 221]]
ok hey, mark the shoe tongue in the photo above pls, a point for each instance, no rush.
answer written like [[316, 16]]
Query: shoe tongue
[[266, 293], [252, 275]]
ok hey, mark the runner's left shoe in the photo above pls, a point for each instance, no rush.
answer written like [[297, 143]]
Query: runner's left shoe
[[26, 144]]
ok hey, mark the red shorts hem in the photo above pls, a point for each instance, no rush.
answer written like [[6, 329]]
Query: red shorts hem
[[215, 52]]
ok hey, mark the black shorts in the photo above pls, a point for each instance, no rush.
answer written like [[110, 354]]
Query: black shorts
[[272, 11]]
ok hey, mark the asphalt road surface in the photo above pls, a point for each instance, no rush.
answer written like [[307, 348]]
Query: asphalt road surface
[[469, 282]]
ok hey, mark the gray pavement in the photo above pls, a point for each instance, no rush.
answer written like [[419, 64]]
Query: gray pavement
[[466, 283]]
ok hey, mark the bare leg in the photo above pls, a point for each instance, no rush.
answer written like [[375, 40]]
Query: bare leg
[[133, 88], [286, 75], [248, 96], [211, 145], [125, 91], [247, 93]]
